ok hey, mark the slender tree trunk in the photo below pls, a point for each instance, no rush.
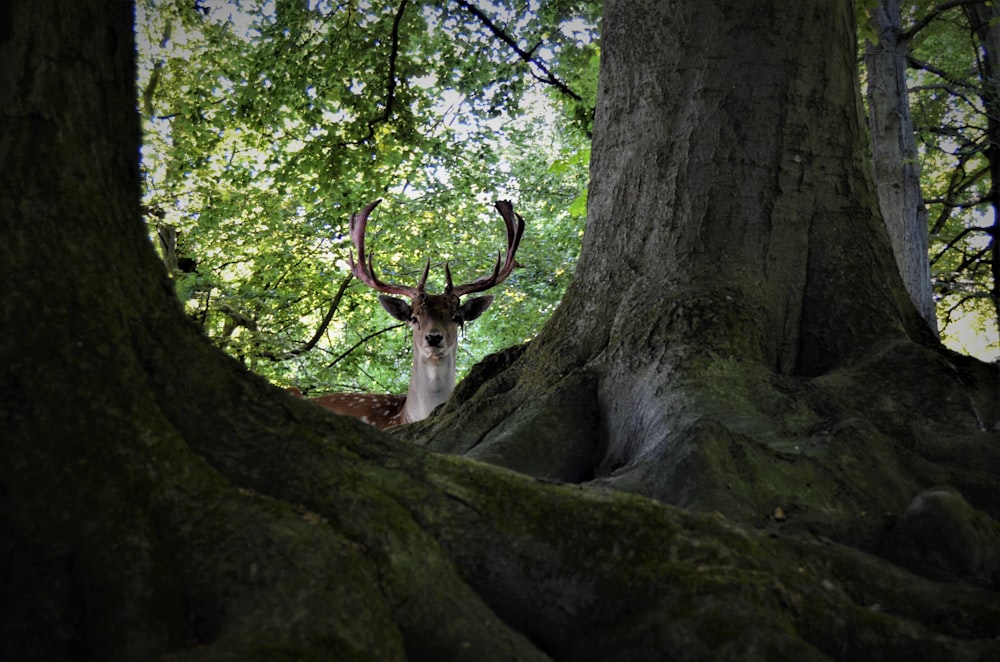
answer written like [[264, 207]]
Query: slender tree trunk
[[894, 150], [985, 21]]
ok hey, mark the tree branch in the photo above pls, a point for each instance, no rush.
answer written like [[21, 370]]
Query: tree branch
[[361, 342], [320, 330], [954, 242], [956, 185], [914, 63], [932, 16], [390, 93], [326, 319], [528, 57]]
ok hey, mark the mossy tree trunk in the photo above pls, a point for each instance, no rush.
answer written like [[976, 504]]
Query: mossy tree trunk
[[737, 337], [156, 501]]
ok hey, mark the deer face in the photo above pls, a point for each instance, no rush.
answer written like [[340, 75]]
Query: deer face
[[435, 320]]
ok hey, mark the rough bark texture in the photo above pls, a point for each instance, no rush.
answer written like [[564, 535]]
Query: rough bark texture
[[734, 255], [157, 502], [894, 151], [737, 337]]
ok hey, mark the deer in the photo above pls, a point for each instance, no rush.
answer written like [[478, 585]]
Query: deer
[[434, 319]]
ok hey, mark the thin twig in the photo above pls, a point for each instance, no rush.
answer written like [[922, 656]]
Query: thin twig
[[931, 16]]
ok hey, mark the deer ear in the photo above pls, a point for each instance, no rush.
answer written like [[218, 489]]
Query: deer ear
[[396, 307], [473, 308]]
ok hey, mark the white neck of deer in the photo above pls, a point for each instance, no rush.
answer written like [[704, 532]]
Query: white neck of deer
[[431, 383], [435, 319]]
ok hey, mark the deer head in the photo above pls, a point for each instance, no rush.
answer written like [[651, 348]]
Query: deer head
[[434, 319]]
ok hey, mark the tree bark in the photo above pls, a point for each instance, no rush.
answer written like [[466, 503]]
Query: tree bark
[[894, 152], [737, 337], [158, 502]]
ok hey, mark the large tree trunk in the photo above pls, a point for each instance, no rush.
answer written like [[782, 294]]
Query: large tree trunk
[[894, 152], [157, 501], [737, 337]]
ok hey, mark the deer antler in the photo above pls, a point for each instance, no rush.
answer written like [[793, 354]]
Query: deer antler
[[364, 270], [515, 228]]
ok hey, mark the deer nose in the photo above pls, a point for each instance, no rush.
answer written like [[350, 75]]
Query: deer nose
[[434, 339]]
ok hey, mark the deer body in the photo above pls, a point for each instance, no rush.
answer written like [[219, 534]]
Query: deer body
[[380, 410], [434, 319]]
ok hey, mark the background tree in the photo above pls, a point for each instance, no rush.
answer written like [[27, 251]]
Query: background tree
[[983, 17], [234, 521], [950, 82], [894, 152]]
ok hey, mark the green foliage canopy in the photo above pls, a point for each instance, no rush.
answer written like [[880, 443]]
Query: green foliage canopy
[[267, 123]]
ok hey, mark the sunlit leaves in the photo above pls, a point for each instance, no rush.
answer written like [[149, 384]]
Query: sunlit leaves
[[947, 99], [268, 123]]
